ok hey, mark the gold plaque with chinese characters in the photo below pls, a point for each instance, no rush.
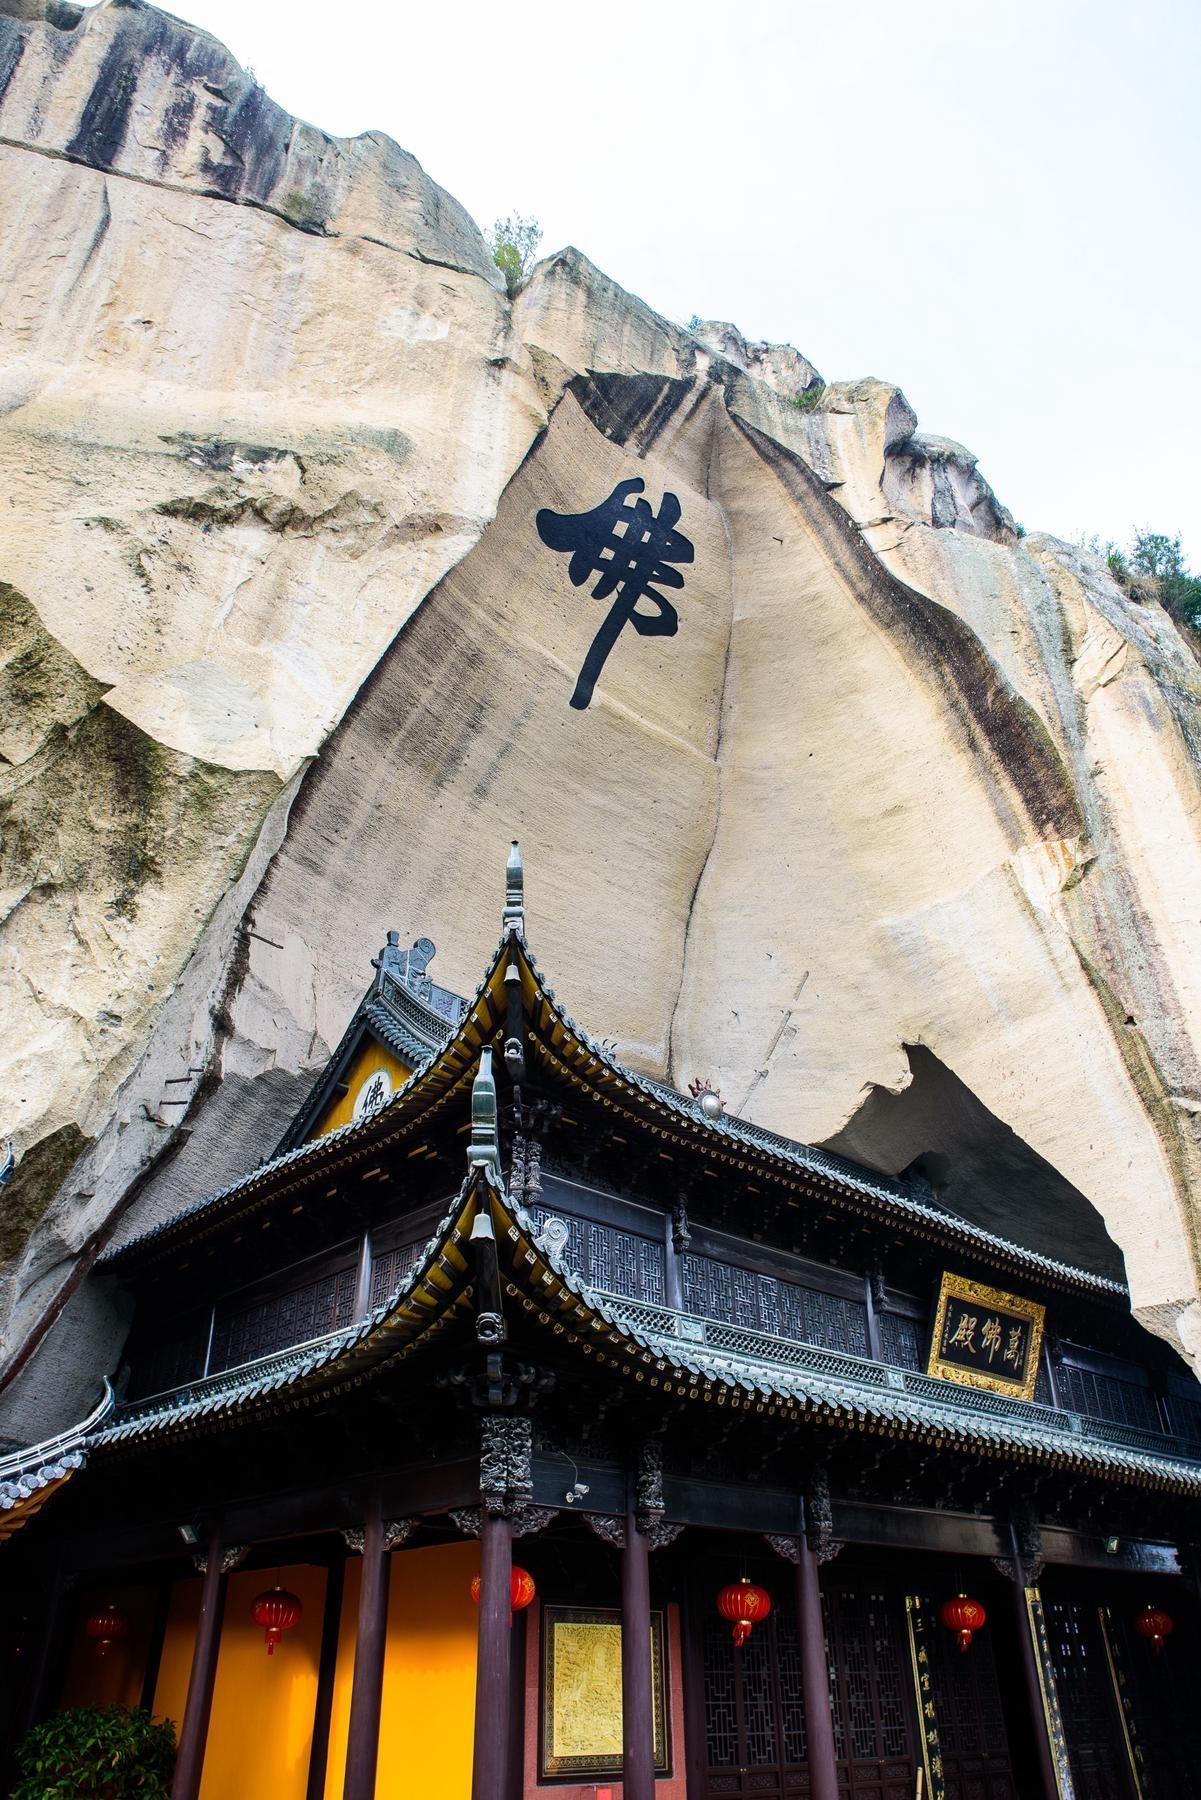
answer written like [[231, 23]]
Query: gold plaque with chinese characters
[[985, 1338]]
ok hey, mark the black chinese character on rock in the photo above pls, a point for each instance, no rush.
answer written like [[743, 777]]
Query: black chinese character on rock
[[631, 549]]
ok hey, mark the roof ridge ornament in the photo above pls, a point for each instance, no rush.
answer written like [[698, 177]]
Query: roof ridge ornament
[[484, 1149], [514, 913], [708, 1098], [408, 967]]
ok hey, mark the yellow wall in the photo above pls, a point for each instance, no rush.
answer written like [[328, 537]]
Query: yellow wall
[[115, 1679], [171, 1689], [429, 1676], [262, 1718], [371, 1057]]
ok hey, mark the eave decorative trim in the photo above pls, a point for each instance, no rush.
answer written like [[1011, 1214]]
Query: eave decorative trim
[[848, 1394]]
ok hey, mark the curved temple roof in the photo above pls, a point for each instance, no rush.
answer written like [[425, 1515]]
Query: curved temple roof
[[681, 1356], [567, 1053]]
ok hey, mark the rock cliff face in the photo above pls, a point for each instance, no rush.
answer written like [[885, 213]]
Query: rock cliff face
[[898, 836]]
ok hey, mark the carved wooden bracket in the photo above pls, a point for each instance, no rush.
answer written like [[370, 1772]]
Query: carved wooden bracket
[[608, 1528], [396, 1531], [230, 1558]]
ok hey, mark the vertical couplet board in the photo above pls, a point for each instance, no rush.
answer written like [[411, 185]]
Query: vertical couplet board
[[1049, 1691], [918, 1618]]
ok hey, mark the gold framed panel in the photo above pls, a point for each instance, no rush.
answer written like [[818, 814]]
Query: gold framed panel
[[996, 1315], [580, 1710]]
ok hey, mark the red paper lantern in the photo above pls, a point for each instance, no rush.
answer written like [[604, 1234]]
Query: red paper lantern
[[106, 1626], [744, 1605], [521, 1589], [276, 1610], [963, 1616], [1155, 1624]]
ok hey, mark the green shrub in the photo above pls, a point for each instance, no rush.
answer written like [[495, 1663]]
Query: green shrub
[[514, 245], [105, 1750], [1154, 568], [808, 399], [1155, 554]]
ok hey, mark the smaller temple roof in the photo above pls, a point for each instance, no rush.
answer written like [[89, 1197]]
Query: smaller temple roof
[[404, 1008]]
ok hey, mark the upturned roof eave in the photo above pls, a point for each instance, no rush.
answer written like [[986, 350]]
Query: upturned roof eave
[[555, 1299], [428, 1087], [428, 1297]]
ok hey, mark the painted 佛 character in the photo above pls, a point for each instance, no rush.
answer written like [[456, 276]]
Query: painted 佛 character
[[631, 548]]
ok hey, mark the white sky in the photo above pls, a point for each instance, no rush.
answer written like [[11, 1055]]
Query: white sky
[[992, 203]]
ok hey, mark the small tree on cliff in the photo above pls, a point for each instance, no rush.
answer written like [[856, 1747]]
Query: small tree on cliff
[[1159, 559], [514, 245], [1154, 568]]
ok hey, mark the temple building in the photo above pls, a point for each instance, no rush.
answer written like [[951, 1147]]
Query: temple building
[[772, 1475]]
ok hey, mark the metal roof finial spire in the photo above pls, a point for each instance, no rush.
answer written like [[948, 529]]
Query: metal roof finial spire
[[484, 1149], [514, 915]]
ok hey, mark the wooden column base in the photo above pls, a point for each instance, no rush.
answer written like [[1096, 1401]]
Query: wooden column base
[[366, 1691], [189, 1763]]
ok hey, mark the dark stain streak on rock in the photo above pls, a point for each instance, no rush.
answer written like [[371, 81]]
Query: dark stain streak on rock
[[255, 132], [104, 122], [1000, 726], [221, 454], [12, 48], [631, 410], [103, 221], [177, 120]]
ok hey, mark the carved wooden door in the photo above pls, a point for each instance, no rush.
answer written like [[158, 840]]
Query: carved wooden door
[[870, 1690], [971, 1719], [754, 1711], [1092, 1724], [1165, 1721]]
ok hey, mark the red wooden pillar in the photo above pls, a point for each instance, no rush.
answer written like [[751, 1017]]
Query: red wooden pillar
[[493, 1702], [637, 1716], [327, 1665], [193, 1733], [815, 1677], [366, 1691]]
